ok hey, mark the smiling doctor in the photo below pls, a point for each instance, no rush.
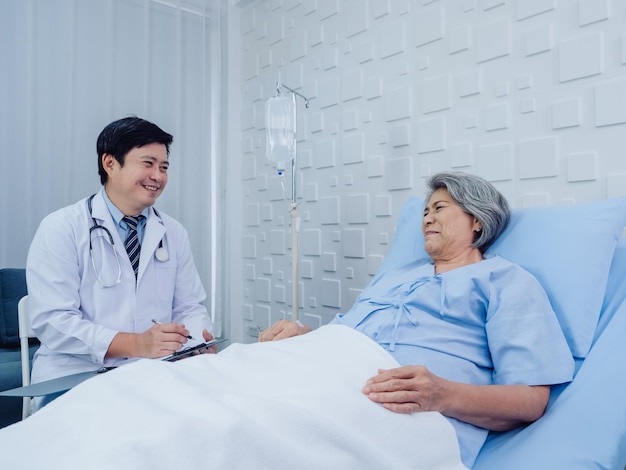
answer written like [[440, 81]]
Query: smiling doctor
[[105, 288]]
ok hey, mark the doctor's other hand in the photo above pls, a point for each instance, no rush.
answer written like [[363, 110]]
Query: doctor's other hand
[[406, 389], [283, 329], [208, 337]]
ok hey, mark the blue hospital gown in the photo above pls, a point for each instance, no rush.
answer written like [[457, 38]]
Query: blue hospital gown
[[486, 323]]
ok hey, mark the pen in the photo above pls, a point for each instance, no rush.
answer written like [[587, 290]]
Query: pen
[[159, 323]]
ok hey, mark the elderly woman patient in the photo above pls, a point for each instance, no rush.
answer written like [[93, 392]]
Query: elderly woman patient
[[475, 335]]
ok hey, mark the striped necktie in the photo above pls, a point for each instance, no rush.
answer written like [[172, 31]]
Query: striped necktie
[[133, 248]]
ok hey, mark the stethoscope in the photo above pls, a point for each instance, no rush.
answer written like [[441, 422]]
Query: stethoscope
[[161, 253]]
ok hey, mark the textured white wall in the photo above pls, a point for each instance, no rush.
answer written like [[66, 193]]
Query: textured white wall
[[530, 94]]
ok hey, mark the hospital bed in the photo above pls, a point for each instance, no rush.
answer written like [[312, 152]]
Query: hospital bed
[[297, 403]]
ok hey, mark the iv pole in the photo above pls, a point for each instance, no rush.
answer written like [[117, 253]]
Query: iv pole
[[294, 212]]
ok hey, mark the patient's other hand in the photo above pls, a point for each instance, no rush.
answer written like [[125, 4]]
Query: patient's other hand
[[283, 329]]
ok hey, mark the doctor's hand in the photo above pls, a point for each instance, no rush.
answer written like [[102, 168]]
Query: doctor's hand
[[407, 389], [162, 340], [283, 329], [159, 341]]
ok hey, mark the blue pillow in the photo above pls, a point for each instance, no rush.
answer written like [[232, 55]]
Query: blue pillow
[[567, 248]]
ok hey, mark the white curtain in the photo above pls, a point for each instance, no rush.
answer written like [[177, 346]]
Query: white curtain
[[69, 67]]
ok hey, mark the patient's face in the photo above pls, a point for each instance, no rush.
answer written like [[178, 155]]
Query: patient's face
[[448, 230]]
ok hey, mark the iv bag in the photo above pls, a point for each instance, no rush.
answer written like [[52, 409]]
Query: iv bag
[[280, 112]]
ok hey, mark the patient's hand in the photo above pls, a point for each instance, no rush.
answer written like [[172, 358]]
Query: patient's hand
[[406, 389], [283, 329], [496, 407]]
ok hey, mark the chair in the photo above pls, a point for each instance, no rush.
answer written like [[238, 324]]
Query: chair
[[12, 289], [26, 332]]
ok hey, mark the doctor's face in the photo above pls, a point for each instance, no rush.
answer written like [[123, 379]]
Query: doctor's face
[[141, 180]]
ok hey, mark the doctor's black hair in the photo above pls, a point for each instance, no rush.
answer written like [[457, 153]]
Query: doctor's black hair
[[123, 135]]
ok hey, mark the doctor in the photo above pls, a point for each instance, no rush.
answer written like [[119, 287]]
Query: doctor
[[89, 307]]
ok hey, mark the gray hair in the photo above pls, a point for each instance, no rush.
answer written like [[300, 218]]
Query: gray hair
[[478, 198]]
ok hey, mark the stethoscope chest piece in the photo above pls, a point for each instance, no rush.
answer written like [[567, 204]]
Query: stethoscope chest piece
[[162, 254]]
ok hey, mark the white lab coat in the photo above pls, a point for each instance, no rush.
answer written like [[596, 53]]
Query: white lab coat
[[75, 318]]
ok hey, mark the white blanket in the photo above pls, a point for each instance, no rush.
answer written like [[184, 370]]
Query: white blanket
[[292, 404]]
